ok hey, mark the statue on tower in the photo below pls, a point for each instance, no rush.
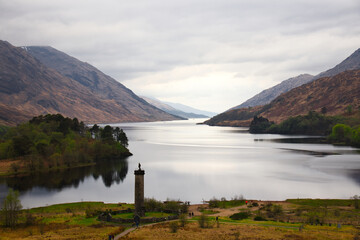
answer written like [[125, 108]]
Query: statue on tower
[[139, 166]]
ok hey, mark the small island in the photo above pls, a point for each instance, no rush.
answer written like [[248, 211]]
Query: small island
[[52, 141]]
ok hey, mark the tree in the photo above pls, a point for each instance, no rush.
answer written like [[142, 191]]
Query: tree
[[107, 134], [22, 145], [11, 208], [324, 110], [95, 130], [341, 133], [259, 125], [349, 109], [356, 201], [120, 136]]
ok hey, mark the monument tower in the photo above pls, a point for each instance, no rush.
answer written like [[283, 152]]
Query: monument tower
[[139, 192]]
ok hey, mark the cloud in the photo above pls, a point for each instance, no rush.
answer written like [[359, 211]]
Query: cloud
[[191, 51]]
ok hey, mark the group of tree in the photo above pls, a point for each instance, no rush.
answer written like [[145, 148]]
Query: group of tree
[[313, 123], [54, 141], [345, 135]]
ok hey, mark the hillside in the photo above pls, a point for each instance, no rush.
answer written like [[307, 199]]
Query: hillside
[[30, 86], [350, 63], [266, 96], [171, 110], [242, 114], [332, 95]]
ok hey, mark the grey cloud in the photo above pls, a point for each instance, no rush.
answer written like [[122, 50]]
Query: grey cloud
[[133, 39]]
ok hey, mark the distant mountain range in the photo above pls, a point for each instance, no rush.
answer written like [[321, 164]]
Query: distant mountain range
[[331, 91], [175, 111], [266, 96], [41, 80], [188, 109]]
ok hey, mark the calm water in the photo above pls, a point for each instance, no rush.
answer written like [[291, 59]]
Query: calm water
[[192, 162]]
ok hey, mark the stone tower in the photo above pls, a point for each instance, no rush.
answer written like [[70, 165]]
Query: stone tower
[[139, 192]]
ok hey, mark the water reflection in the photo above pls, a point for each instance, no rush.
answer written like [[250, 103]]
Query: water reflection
[[111, 172], [308, 140], [194, 162], [354, 174]]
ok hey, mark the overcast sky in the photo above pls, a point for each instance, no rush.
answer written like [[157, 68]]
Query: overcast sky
[[207, 54]]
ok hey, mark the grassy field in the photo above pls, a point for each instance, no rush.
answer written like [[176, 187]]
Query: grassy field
[[64, 221], [245, 230], [290, 219]]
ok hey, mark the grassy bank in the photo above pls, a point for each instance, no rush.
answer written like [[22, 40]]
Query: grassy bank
[[290, 219], [65, 221]]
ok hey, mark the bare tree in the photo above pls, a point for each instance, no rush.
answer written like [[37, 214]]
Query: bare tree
[[11, 208]]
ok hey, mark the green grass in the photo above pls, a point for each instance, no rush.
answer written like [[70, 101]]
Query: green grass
[[124, 215], [157, 214], [226, 203], [209, 211], [322, 202], [69, 219], [81, 220], [79, 206]]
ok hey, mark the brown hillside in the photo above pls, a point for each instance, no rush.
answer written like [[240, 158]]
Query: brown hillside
[[29, 88], [334, 93]]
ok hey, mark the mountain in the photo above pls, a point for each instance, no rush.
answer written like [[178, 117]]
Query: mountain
[[270, 94], [266, 96], [41, 80], [330, 94], [242, 114], [171, 110], [189, 109], [350, 63], [334, 94]]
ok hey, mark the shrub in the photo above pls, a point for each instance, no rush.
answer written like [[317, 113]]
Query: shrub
[[273, 211], [153, 205], [240, 215], [356, 201], [259, 218], [91, 212], [174, 226], [30, 219], [298, 212], [11, 208], [204, 221], [172, 206], [183, 220], [214, 203]]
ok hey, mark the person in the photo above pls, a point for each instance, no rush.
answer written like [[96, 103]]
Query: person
[[137, 220]]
